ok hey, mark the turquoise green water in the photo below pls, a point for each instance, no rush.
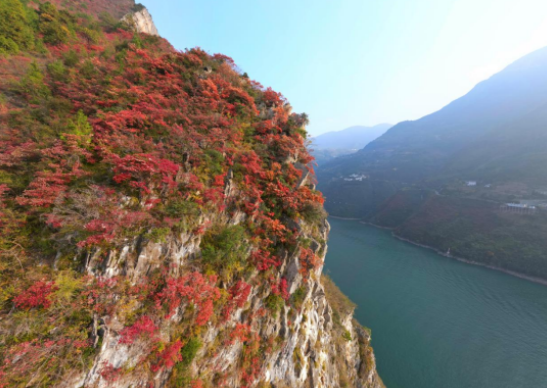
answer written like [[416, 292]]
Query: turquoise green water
[[436, 322]]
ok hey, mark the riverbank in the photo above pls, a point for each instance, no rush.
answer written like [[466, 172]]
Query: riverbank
[[512, 273], [344, 218], [445, 254]]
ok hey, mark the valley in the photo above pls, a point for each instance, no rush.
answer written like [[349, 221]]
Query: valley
[[469, 179]]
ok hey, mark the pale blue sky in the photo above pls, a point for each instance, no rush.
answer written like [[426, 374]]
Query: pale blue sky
[[355, 62]]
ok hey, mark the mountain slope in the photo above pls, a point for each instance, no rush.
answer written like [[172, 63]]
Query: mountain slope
[[158, 227], [415, 150], [513, 152]]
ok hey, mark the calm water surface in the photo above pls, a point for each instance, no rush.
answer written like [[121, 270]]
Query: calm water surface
[[436, 322]]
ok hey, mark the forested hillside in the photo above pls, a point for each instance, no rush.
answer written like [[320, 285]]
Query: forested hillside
[[159, 224]]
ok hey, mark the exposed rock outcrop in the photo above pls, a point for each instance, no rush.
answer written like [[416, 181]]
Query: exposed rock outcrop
[[141, 21], [314, 345]]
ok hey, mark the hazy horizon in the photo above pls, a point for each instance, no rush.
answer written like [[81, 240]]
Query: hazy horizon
[[352, 63]]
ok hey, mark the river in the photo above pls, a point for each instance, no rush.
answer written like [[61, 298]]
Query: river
[[437, 322]]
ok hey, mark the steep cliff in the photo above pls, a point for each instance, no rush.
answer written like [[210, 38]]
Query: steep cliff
[[303, 343], [159, 224]]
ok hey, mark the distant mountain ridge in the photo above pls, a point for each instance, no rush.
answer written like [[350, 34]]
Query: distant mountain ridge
[[355, 137], [334, 144], [415, 150]]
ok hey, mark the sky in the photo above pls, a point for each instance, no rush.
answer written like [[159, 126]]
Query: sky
[[360, 62]]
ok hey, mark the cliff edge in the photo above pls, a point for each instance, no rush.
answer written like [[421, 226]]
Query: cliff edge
[[159, 223], [141, 20]]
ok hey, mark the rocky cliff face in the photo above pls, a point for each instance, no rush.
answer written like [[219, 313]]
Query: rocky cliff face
[[312, 346], [141, 21], [159, 223]]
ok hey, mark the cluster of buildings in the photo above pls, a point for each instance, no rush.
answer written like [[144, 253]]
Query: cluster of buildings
[[474, 184], [524, 206], [356, 177], [521, 208]]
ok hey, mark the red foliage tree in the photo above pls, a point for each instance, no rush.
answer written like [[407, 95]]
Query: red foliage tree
[[161, 135], [239, 294], [37, 295], [143, 328], [240, 333], [169, 356], [264, 260], [308, 261], [281, 289], [109, 373], [196, 384], [193, 288]]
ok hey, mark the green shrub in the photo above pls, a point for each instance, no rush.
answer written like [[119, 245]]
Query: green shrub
[[297, 298], [186, 211], [57, 71], [109, 22], [346, 335], [15, 29], [225, 249], [88, 69], [8, 46], [7, 292], [274, 303], [92, 36], [159, 235], [71, 58], [313, 213], [80, 125], [33, 83], [137, 40], [214, 160], [51, 26], [298, 359], [190, 350], [182, 208], [68, 285], [138, 7], [40, 46]]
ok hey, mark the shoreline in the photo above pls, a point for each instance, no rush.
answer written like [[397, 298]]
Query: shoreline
[[467, 261], [376, 226], [461, 259], [343, 218]]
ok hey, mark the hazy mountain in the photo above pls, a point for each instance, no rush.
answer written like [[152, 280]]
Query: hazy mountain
[[514, 152], [352, 138], [330, 145], [492, 116]]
